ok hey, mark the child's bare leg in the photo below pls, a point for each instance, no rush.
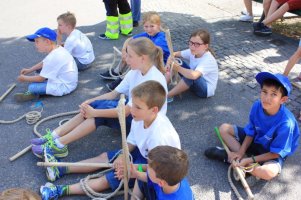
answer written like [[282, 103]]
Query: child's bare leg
[[227, 133], [137, 192], [69, 125], [278, 13], [267, 171], [83, 129], [102, 158], [178, 89], [98, 185]]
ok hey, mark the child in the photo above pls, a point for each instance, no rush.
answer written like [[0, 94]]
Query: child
[[202, 73], [152, 28], [271, 135], [77, 43], [149, 129], [58, 75], [166, 169], [113, 18], [292, 61], [143, 57]]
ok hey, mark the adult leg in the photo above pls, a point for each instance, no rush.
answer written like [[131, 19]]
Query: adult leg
[[136, 10], [112, 29], [126, 20], [248, 5], [266, 6], [292, 61], [275, 13]]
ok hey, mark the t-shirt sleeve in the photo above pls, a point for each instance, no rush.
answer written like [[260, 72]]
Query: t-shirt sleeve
[[207, 65], [250, 127], [124, 86], [48, 67], [186, 54]]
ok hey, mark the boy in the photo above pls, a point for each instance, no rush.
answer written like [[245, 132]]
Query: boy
[[166, 169], [149, 129], [77, 43], [58, 75], [271, 135]]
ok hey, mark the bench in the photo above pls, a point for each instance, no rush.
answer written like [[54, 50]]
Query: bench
[[296, 12]]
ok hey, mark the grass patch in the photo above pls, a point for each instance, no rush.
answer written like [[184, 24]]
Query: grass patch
[[288, 27]]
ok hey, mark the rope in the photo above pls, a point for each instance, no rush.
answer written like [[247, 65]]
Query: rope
[[31, 118], [119, 65], [232, 184]]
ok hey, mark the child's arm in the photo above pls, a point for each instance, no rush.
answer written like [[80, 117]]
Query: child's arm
[[25, 71], [188, 73], [241, 152], [24, 78], [259, 158], [106, 96]]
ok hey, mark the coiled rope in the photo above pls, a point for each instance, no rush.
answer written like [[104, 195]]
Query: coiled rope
[[119, 65], [31, 118]]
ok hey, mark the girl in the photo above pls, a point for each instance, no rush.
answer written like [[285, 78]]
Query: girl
[[202, 73], [152, 28], [143, 57]]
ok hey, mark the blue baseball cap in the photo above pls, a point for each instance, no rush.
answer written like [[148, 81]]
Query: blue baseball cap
[[283, 80], [43, 32]]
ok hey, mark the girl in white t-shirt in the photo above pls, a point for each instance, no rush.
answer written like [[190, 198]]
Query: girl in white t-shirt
[[202, 73], [143, 57]]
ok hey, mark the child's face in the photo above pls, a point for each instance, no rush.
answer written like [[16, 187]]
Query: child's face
[[153, 177], [151, 28], [140, 110], [197, 46], [271, 99], [62, 26], [41, 44], [133, 59]]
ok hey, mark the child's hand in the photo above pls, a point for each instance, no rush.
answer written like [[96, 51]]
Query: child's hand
[[234, 156], [88, 101], [119, 167], [25, 71], [242, 163], [21, 78], [87, 111], [134, 171]]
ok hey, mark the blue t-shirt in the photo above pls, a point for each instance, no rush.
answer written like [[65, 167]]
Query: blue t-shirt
[[159, 40], [278, 133], [184, 191]]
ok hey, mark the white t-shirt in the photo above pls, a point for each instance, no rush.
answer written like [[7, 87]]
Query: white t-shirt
[[135, 77], [60, 69], [207, 65], [80, 47], [160, 132]]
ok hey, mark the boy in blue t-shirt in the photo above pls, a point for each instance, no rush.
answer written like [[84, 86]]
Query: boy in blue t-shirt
[[164, 180], [271, 135]]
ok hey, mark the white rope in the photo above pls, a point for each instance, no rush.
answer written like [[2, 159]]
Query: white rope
[[120, 66], [31, 118]]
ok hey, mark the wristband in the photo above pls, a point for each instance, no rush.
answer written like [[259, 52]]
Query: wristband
[[253, 158], [140, 169]]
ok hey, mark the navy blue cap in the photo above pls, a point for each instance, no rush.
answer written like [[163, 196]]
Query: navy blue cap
[[283, 80], [43, 32]]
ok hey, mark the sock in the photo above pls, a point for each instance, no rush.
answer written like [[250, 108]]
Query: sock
[[62, 190], [63, 170], [54, 135], [59, 144]]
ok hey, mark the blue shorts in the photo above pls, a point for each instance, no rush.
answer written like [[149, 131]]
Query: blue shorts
[[255, 149], [110, 122], [198, 86], [110, 176], [38, 88]]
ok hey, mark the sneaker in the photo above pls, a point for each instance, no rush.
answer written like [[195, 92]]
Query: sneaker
[[244, 12], [107, 75], [104, 37], [53, 173], [43, 139], [38, 150], [50, 191], [135, 24], [169, 99], [26, 96], [111, 86], [217, 153], [246, 18], [261, 30]]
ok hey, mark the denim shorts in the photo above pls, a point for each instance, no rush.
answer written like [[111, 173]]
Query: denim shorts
[[110, 122], [38, 88], [81, 66], [110, 176], [148, 192], [255, 149]]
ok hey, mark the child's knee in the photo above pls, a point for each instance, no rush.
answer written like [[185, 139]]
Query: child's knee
[[268, 171], [226, 129]]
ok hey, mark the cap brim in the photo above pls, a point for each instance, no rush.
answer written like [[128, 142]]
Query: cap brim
[[31, 37], [260, 77]]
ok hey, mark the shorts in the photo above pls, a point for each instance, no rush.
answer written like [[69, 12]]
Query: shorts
[[110, 176], [81, 66], [110, 122], [292, 4], [38, 88], [255, 149]]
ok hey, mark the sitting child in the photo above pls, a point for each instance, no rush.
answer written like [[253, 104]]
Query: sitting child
[[202, 73], [271, 135], [149, 129], [58, 75], [166, 169], [152, 28], [77, 43]]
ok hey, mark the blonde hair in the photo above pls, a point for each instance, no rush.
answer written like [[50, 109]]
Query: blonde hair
[[19, 193], [144, 46], [152, 17], [68, 18]]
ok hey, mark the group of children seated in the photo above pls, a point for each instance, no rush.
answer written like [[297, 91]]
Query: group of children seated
[[159, 165]]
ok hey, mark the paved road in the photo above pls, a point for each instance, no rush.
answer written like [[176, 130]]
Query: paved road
[[240, 55]]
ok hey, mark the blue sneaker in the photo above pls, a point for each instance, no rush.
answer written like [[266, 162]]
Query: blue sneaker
[[49, 191], [261, 30], [53, 173], [43, 139], [38, 150]]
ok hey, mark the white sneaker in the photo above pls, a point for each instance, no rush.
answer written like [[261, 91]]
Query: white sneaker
[[246, 18]]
